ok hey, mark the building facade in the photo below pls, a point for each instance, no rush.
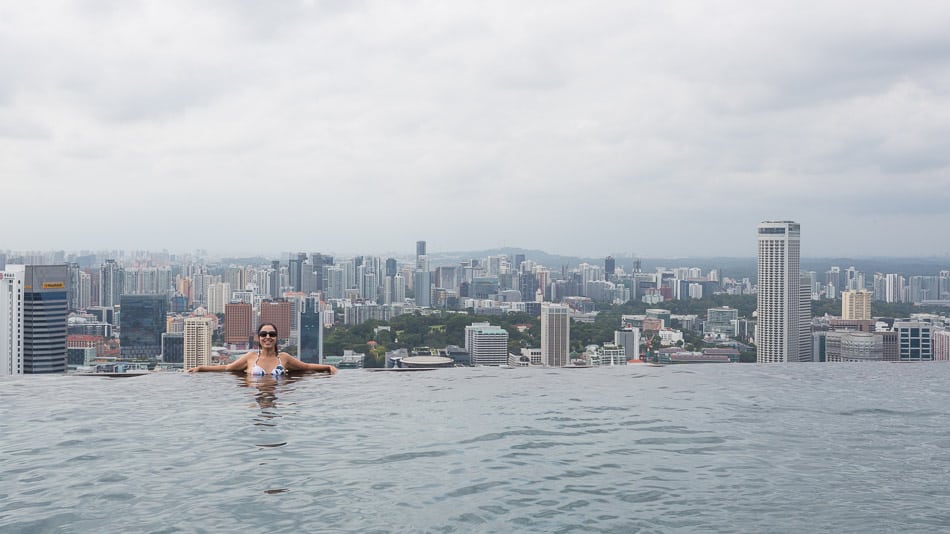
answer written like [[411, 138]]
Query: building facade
[[238, 324], [781, 330], [914, 341], [11, 321], [197, 341], [142, 322], [487, 344], [45, 307], [555, 334], [856, 305]]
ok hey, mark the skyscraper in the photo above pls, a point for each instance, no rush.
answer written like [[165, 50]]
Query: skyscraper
[[197, 341], [555, 334], [310, 349], [44, 319], [780, 307], [111, 283], [11, 321]]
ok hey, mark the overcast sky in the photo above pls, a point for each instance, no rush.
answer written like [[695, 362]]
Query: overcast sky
[[581, 128]]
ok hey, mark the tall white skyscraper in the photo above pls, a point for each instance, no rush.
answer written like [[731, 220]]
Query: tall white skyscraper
[[11, 321], [197, 341], [555, 334], [781, 325]]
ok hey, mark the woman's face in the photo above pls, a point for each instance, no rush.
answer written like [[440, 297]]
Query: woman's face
[[267, 336]]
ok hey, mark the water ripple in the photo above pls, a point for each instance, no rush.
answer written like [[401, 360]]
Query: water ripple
[[739, 448]]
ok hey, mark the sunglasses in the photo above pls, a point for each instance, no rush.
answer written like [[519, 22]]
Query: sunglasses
[[267, 333]]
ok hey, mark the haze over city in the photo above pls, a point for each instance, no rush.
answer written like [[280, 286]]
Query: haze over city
[[577, 128]]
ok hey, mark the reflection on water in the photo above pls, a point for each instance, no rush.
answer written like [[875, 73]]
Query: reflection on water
[[267, 387], [738, 448]]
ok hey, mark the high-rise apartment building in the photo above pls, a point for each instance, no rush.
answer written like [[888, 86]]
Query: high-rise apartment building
[[555, 334], [781, 329], [856, 305], [486, 344], [238, 324], [111, 283], [197, 341], [11, 321]]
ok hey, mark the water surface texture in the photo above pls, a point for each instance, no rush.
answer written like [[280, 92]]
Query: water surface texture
[[724, 448]]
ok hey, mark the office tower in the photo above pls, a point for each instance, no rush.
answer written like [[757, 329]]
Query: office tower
[[629, 339], [310, 348], [422, 260], [856, 305], [142, 323], [335, 282], [722, 321], [238, 324], [44, 318], [277, 312], [610, 265], [173, 347], [11, 320], [486, 344], [915, 343], [519, 261], [422, 288], [111, 283], [399, 289], [780, 328], [197, 341], [555, 334], [390, 267], [295, 271]]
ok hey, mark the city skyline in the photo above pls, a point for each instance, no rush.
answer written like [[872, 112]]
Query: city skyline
[[653, 130]]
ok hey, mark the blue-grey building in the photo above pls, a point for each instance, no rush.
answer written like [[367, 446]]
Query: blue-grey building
[[44, 319], [141, 325]]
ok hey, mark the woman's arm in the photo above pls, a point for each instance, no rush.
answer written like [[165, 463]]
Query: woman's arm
[[297, 365], [239, 364], [207, 368]]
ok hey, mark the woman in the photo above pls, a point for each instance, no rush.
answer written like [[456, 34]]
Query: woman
[[267, 360]]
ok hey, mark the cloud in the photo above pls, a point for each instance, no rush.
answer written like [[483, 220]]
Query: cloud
[[581, 127]]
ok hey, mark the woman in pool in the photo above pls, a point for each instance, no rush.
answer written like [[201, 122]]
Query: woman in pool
[[267, 360]]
